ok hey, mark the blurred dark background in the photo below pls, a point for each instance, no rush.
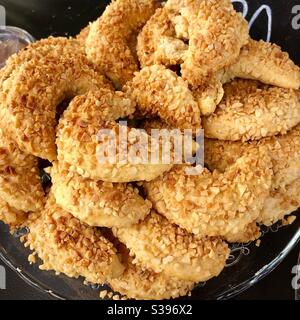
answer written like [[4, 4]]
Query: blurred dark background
[[67, 17], [42, 18]]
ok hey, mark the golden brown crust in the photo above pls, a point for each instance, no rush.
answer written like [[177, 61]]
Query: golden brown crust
[[216, 35], [50, 46], [162, 42], [12, 217], [154, 123], [209, 95], [20, 183], [161, 246], [142, 284], [28, 111], [250, 233], [284, 151], [132, 43], [82, 36], [175, 152], [67, 246], [214, 203], [79, 143], [266, 62], [157, 42], [107, 42], [160, 92], [280, 203], [181, 243], [250, 111], [97, 203], [136, 283]]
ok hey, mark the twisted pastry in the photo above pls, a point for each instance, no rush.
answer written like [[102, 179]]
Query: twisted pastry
[[34, 83], [216, 34], [143, 284], [20, 185], [157, 42], [160, 92], [266, 62], [214, 203], [80, 143], [12, 217], [281, 202], [107, 42], [251, 111], [158, 245], [97, 203], [66, 245], [284, 151]]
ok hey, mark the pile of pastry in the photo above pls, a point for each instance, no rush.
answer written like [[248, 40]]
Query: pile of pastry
[[148, 230]]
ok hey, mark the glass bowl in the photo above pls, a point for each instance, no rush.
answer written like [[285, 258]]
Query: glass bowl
[[297, 289], [12, 39], [247, 263]]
